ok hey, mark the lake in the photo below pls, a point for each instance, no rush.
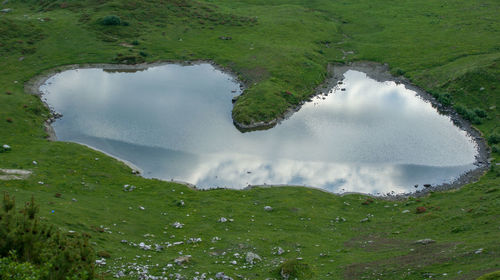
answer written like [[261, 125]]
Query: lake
[[174, 123]]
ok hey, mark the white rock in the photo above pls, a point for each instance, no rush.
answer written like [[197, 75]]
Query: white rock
[[177, 225], [280, 251], [479, 251], [424, 241], [405, 211], [144, 246], [35, 163], [222, 220], [6, 147], [221, 275], [252, 258], [182, 259], [268, 208], [215, 239]]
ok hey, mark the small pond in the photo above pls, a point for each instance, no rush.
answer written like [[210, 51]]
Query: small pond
[[174, 123]]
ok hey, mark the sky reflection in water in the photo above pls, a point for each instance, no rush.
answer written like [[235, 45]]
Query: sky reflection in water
[[174, 122]]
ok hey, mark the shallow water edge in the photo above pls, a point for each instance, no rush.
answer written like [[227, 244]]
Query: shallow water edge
[[373, 70]]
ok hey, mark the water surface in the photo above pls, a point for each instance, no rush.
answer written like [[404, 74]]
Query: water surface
[[174, 122]]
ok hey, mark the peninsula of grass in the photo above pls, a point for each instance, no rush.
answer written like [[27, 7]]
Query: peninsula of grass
[[451, 49]]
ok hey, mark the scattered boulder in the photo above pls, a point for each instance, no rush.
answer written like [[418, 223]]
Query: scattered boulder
[[128, 188], [252, 258], [177, 225], [183, 259], [144, 246], [405, 211], [268, 208], [479, 251], [280, 251], [225, 38], [8, 10], [425, 241], [221, 275], [222, 220]]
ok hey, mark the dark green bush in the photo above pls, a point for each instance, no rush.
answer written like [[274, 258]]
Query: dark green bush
[[494, 139], [470, 115], [295, 269], [495, 149], [444, 99], [111, 20], [480, 113], [24, 239], [490, 276], [10, 269]]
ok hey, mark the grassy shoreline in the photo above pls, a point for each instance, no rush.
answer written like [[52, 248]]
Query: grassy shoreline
[[439, 47]]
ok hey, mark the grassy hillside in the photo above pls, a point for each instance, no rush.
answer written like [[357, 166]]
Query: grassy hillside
[[451, 49]]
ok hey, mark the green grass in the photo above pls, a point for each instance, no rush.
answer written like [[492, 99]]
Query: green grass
[[449, 48]]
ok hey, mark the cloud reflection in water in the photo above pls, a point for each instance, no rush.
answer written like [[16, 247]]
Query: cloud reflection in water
[[175, 122]]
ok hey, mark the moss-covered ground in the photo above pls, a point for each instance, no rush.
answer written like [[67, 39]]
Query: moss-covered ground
[[450, 48]]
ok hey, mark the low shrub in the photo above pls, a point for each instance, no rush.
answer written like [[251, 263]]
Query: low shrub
[[421, 209], [295, 269], [11, 269], [494, 139], [474, 116], [444, 99], [31, 248], [111, 20], [495, 149], [490, 276], [480, 113], [104, 254]]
